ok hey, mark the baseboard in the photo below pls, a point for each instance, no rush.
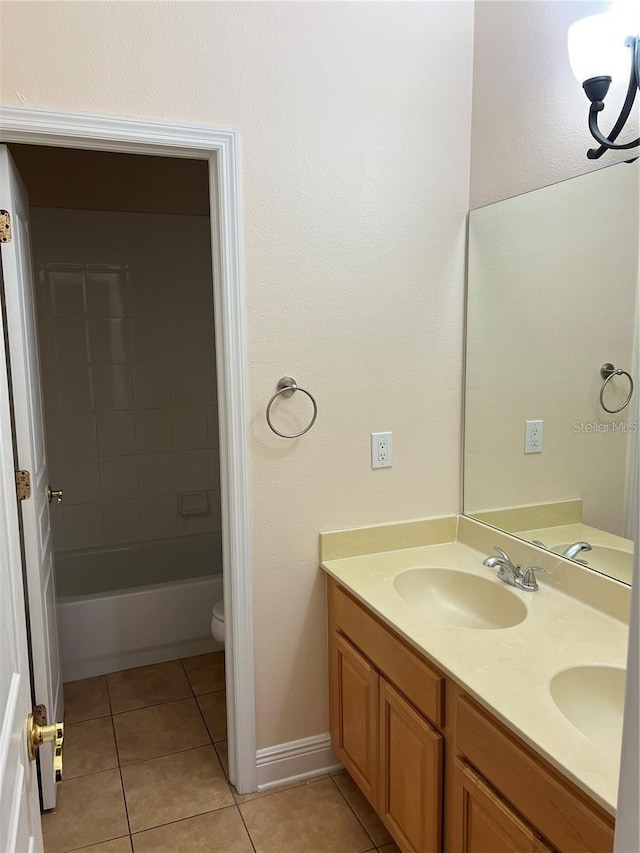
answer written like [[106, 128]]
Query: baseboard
[[290, 762]]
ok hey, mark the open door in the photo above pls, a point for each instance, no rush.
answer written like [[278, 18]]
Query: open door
[[20, 828], [31, 454]]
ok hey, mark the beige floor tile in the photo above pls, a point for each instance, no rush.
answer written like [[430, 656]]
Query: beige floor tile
[[86, 699], [214, 711], [147, 685], [221, 830], [159, 730], [174, 787], [257, 795], [90, 809], [118, 845], [89, 747], [222, 749], [364, 812], [308, 818], [206, 672]]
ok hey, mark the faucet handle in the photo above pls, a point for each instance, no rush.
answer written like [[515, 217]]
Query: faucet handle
[[529, 578], [502, 554]]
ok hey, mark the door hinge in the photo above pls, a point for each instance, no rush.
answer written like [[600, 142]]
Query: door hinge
[[5, 226], [23, 485]]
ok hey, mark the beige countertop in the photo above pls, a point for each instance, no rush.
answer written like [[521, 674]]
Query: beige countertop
[[509, 670]]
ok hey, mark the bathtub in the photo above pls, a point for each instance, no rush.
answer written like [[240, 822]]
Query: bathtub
[[131, 605]]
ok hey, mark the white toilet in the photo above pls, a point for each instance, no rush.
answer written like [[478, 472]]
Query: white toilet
[[217, 621]]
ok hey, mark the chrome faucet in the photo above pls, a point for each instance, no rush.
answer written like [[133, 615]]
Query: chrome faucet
[[573, 550], [511, 573]]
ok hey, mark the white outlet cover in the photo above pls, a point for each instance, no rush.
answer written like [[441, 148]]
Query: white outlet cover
[[381, 450]]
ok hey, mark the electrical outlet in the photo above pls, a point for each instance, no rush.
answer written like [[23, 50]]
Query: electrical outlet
[[381, 450], [533, 436]]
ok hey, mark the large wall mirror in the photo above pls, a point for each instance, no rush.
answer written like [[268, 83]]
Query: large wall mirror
[[552, 297]]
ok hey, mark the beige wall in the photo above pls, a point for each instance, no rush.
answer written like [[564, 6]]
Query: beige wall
[[354, 122], [552, 296], [530, 114]]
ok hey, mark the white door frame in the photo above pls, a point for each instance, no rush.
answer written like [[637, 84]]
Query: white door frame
[[220, 149]]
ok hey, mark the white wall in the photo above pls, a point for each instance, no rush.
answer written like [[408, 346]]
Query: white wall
[[529, 112], [354, 122], [128, 366]]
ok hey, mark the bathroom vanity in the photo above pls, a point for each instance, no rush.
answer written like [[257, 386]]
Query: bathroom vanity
[[443, 706]]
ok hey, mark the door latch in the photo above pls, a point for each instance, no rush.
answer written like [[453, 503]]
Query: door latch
[[38, 732]]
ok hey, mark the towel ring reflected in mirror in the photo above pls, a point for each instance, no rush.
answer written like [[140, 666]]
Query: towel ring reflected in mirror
[[286, 387]]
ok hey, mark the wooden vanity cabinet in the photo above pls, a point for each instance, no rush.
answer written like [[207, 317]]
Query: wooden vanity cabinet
[[354, 697], [410, 774], [441, 772], [485, 823]]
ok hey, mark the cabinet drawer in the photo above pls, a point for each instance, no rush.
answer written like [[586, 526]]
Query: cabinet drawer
[[557, 809], [421, 684]]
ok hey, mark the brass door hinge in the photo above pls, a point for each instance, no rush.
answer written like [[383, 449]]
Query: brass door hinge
[[5, 226], [23, 485]]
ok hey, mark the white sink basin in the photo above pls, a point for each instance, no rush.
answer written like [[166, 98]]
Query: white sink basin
[[592, 698], [611, 561], [459, 599]]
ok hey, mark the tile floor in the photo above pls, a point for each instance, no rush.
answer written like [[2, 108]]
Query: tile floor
[[145, 764]]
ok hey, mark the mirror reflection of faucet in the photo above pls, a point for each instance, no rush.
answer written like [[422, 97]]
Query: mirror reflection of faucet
[[571, 553], [511, 573], [573, 550]]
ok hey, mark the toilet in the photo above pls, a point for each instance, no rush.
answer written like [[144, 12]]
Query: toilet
[[217, 621]]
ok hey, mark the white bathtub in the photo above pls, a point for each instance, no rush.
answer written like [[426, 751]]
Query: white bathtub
[[125, 606]]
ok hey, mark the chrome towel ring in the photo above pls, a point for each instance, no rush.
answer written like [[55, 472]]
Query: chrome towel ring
[[607, 372], [286, 388]]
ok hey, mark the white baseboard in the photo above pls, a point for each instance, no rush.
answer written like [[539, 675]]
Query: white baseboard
[[290, 762]]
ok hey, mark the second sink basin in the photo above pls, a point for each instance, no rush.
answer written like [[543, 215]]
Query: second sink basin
[[459, 599], [592, 698]]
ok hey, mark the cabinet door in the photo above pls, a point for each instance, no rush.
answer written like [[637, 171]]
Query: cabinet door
[[410, 774], [485, 823], [353, 691]]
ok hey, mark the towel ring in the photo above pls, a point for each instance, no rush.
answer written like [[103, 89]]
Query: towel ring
[[286, 388], [607, 372]]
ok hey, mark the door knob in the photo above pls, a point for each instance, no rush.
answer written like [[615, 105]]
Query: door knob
[[54, 494], [38, 732]]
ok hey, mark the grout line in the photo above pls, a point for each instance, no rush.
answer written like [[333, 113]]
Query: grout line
[[95, 844], [357, 816], [178, 820], [246, 828], [186, 675], [260, 795], [115, 741], [156, 704]]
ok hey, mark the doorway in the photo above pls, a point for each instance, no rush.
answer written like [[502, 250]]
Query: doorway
[[216, 150]]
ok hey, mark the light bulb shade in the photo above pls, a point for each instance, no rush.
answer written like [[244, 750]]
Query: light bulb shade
[[596, 44]]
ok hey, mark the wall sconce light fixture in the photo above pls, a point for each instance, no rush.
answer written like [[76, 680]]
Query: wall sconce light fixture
[[601, 49]]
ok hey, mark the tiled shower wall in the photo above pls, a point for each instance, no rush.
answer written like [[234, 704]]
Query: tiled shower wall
[[128, 367]]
